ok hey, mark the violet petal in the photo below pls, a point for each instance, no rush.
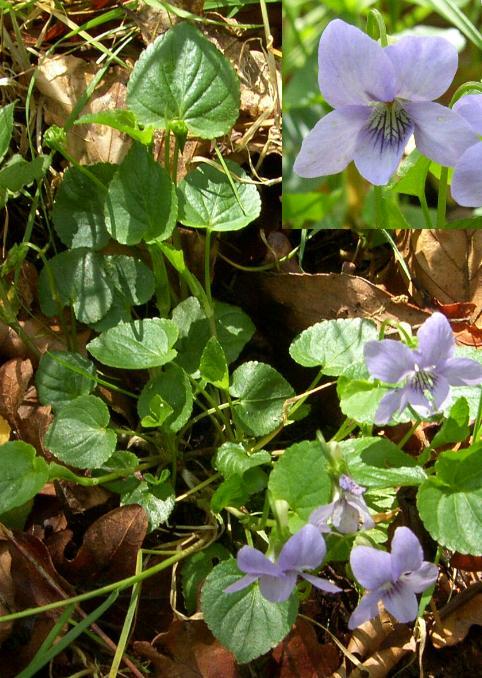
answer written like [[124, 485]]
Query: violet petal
[[277, 589], [440, 133], [377, 156], [467, 178], [401, 603], [470, 108], [421, 579], [304, 550], [353, 68], [366, 609], [424, 67], [321, 583], [407, 554], [330, 145], [435, 340], [252, 561], [371, 567], [461, 371], [241, 584], [388, 360]]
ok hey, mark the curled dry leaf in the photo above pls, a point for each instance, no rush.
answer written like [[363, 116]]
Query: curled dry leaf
[[446, 265], [464, 611], [19, 403], [368, 637], [302, 299], [188, 650], [109, 548], [397, 644], [301, 654], [36, 582], [62, 80]]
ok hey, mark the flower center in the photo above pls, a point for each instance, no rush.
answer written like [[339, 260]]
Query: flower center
[[389, 126], [423, 380]]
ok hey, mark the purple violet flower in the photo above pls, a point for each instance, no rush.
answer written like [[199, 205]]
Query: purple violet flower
[[347, 513], [467, 179], [394, 578], [426, 372], [305, 550], [381, 96]]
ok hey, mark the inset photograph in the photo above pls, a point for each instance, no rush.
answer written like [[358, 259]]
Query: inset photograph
[[382, 115]]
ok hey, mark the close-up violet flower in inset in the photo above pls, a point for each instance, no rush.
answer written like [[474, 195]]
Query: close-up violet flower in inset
[[467, 178], [381, 96], [347, 513], [425, 373], [305, 550], [392, 578]]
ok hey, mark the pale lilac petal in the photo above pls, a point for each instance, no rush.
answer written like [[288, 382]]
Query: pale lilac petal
[[461, 371], [435, 340], [363, 512], [376, 157], [371, 567], [424, 67], [416, 398], [467, 178], [353, 68], [304, 550], [322, 584], [440, 133], [252, 561], [407, 553], [241, 584], [470, 108], [440, 391], [277, 589], [320, 516], [388, 360], [421, 579], [345, 517], [401, 603], [330, 145], [389, 404], [349, 485], [367, 609]]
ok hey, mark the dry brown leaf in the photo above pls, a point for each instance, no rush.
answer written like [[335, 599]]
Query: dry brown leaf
[[188, 650], [62, 80], [110, 545], [464, 611], [36, 582], [301, 655], [299, 300], [44, 334], [5, 430], [446, 265], [7, 597], [369, 635], [394, 647]]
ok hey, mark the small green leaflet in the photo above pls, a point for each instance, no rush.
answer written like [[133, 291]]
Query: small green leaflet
[[208, 199], [182, 78], [62, 376], [244, 622], [23, 474]]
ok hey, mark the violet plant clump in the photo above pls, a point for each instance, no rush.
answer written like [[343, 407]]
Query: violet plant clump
[[423, 375], [467, 178], [305, 550], [392, 578], [381, 96], [347, 513]]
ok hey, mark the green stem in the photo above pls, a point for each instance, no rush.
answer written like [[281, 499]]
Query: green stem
[[478, 422], [379, 207], [442, 197], [425, 210], [103, 590]]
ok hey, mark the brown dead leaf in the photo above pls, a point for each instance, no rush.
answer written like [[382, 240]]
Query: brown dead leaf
[[464, 611], [62, 80], [44, 334], [465, 562], [36, 582], [5, 430], [301, 655], [302, 299], [446, 265], [19, 403], [7, 597], [109, 548], [369, 635], [188, 650], [394, 647]]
